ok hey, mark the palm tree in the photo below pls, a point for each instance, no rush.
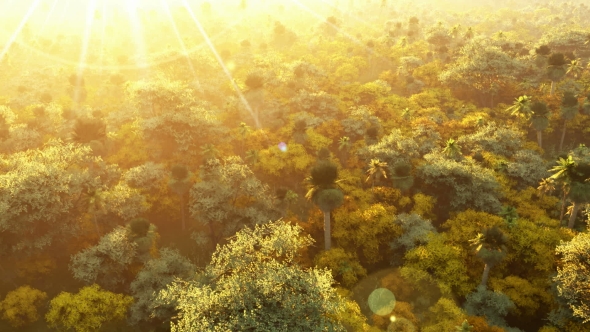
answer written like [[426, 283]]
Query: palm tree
[[180, 184], [323, 192], [575, 67], [555, 69], [569, 109], [377, 169], [560, 176], [244, 130], [407, 114], [92, 203], [539, 119], [465, 327], [521, 107], [344, 146], [209, 151], [87, 130], [574, 179], [490, 247], [252, 156], [452, 149], [510, 215], [402, 178]]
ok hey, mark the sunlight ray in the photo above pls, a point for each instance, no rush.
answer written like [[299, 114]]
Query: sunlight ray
[[137, 36], [216, 54], [180, 41], [53, 6], [85, 42], [102, 36], [18, 29]]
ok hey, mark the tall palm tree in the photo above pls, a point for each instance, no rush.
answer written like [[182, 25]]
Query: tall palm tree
[[521, 107], [209, 151], [377, 169], [180, 185], [575, 68], [539, 119], [569, 109], [324, 193], [252, 156], [574, 179], [555, 69], [243, 130], [490, 247], [452, 149]]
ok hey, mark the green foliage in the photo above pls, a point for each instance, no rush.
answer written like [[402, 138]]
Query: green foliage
[[152, 278], [254, 283], [230, 196], [415, 231], [108, 262], [463, 184], [500, 140], [88, 310], [493, 305], [573, 274]]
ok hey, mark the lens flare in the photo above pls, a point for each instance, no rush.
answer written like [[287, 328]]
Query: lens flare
[[283, 146]]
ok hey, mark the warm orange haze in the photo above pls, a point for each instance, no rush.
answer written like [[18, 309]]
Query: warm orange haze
[[294, 165]]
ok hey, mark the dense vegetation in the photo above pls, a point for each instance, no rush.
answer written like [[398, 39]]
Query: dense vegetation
[[294, 166]]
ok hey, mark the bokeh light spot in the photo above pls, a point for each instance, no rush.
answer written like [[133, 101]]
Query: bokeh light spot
[[382, 301], [283, 146]]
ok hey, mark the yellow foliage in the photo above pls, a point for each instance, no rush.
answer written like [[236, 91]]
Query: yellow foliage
[[87, 310], [130, 147], [480, 324], [467, 224], [352, 317], [404, 201], [316, 140], [386, 195], [331, 129], [423, 205], [531, 204], [20, 306], [276, 162], [367, 229], [345, 266], [527, 296]]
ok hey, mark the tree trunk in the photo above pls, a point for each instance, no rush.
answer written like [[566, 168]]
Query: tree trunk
[[485, 276], [327, 235], [182, 213], [574, 214], [540, 138], [562, 207], [562, 135], [96, 224], [552, 88]]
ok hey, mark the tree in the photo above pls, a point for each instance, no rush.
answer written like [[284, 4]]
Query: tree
[[490, 247], [323, 192], [152, 278], [521, 107], [108, 263], [254, 283], [452, 149], [20, 306], [228, 197], [572, 275], [180, 185], [573, 173], [555, 69], [539, 119], [377, 169], [88, 310], [38, 192], [493, 305], [575, 68], [464, 327], [87, 130], [569, 109]]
